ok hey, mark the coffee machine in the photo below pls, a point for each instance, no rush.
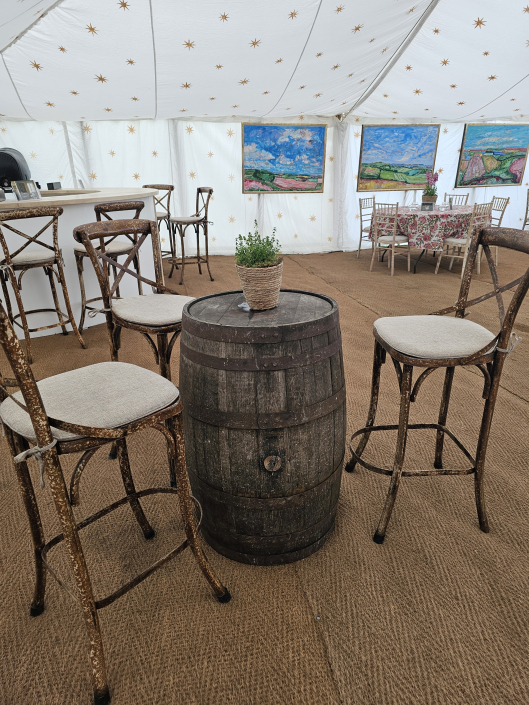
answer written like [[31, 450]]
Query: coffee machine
[[13, 167]]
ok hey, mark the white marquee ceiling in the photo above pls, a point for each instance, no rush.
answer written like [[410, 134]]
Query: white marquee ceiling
[[385, 59]]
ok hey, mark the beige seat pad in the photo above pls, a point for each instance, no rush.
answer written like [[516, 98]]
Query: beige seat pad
[[33, 256], [189, 219], [104, 395], [459, 241], [151, 310], [435, 337], [116, 247], [389, 238], [162, 214]]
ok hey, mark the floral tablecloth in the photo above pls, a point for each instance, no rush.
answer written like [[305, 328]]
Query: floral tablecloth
[[427, 230]]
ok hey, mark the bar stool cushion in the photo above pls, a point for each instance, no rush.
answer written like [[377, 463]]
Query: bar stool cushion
[[187, 220], [389, 238], [434, 337], [104, 395], [116, 247], [151, 310], [33, 256], [162, 214]]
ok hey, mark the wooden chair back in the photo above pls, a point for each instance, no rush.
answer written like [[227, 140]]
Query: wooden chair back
[[159, 200], [498, 210], [385, 219], [458, 199], [103, 209], [480, 219], [204, 194], [22, 214], [366, 207]]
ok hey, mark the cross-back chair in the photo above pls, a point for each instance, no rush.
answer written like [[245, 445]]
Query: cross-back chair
[[365, 208], [499, 205], [180, 224], [437, 341], [162, 207], [460, 245], [78, 412], [25, 258], [384, 233], [112, 247], [458, 199]]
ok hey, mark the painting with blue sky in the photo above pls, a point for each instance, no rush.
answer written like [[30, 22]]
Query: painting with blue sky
[[493, 155], [283, 158], [396, 157]]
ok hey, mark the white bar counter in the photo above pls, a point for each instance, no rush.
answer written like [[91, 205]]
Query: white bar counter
[[78, 209]]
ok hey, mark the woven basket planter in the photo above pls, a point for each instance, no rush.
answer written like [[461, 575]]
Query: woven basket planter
[[429, 199], [261, 285]]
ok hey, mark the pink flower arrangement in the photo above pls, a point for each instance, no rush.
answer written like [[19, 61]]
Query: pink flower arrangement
[[431, 180]]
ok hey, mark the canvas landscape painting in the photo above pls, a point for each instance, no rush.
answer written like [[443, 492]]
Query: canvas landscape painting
[[396, 157], [492, 155], [283, 158]]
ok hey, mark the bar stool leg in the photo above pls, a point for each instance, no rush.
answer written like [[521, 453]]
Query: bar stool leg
[[49, 273], [198, 248], [130, 489], [165, 371], [378, 360], [186, 509], [23, 319], [182, 232], [80, 270], [443, 413], [69, 311], [205, 227], [405, 392]]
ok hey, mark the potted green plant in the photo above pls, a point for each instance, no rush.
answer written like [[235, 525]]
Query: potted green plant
[[429, 195], [260, 269]]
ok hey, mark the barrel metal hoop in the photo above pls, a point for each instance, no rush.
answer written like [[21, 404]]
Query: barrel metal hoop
[[257, 364], [279, 419]]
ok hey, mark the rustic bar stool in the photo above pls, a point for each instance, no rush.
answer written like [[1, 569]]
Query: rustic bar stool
[[114, 248], [47, 257], [480, 219], [432, 342], [198, 220], [155, 316], [366, 207], [163, 210], [96, 405], [384, 233]]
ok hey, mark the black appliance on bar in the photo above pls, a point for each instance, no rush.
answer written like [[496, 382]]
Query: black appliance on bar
[[13, 167]]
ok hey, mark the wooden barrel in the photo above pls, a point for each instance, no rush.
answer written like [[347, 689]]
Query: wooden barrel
[[264, 419]]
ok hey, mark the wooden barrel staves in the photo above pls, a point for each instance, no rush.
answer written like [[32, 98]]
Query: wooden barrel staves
[[264, 420]]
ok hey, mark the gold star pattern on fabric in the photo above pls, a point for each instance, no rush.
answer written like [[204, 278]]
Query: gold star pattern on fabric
[[462, 102], [136, 176], [301, 117], [255, 43], [87, 129], [329, 239], [92, 30], [189, 44], [319, 54], [349, 75], [440, 170], [155, 153], [292, 15], [336, 66], [492, 78], [134, 99], [100, 78], [61, 177], [250, 198], [479, 23], [526, 9], [189, 129], [330, 200], [412, 9], [357, 134], [62, 49], [52, 131], [265, 93], [185, 85], [318, 95], [417, 91], [357, 28], [295, 198], [372, 40], [108, 110], [49, 104], [130, 62], [384, 50], [231, 219], [339, 9], [486, 53], [408, 67], [33, 155], [74, 92], [36, 66], [312, 218], [244, 81], [112, 153], [192, 174], [436, 31], [453, 85], [213, 99], [124, 5], [444, 62], [234, 106], [331, 159], [279, 61], [279, 215], [131, 129], [3, 130], [445, 131], [210, 154], [218, 66], [395, 113], [93, 175], [231, 177], [230, 132], [386, 95], [224, 17], [295, 235]]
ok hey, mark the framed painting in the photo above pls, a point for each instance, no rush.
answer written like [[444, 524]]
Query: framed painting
[[396, 157], [283, 158], [492, 155]]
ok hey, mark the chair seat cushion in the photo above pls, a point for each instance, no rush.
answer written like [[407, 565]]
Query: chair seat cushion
[[151, 310], [161, 214], [116, 247], [187, 220], [389, 238], [458, 241], [104, 395], [435, 337], [33, 256]]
